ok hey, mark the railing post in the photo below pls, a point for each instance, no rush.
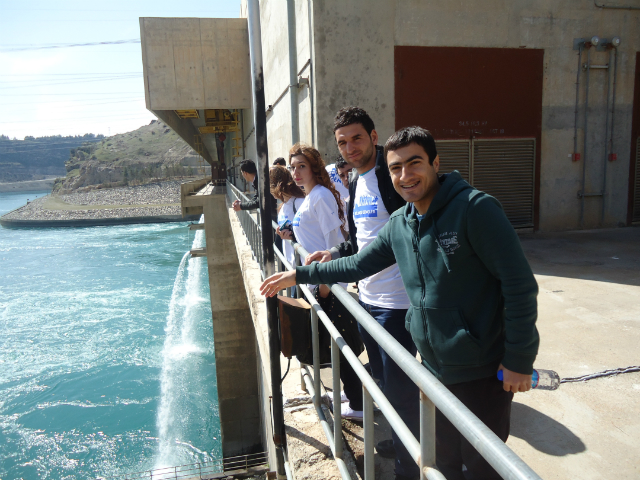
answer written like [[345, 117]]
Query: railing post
[[427, 434], [369, 461], [337, 404], [316, 356]]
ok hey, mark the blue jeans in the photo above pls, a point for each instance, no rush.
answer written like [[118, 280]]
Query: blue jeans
[[401, 392]]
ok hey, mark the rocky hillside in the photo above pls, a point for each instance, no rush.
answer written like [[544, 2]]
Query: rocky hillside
[[37, 157], [147, 154]]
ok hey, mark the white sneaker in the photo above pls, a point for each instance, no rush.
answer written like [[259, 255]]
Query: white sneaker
[[343, 397], [350, 414]]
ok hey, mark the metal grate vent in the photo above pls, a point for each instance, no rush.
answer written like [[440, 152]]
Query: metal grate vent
[[455, 155], [504, 168], [636, 188]]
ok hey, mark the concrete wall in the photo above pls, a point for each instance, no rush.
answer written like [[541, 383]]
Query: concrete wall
[[551, 26], [275, 51], [352, 63], [195, 63], [353, 44], [233, 335]]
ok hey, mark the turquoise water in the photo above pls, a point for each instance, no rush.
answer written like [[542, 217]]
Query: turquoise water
[[106, 351]]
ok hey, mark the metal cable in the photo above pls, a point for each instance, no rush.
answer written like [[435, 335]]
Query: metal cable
[[285, 373], [605, 373]]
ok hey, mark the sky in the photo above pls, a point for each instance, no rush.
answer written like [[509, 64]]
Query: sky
[[52, 83]]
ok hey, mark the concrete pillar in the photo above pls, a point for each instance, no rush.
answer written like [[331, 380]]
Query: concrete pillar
[[233, 336]]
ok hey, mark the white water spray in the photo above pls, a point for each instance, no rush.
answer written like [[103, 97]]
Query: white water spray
[[187, 412]]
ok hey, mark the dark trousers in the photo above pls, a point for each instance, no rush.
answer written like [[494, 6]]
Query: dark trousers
[[492, 405], [402, 393], [351, 384]]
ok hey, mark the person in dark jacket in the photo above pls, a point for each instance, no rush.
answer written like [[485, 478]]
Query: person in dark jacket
[[372, 199], [250, 174], [472, 291]]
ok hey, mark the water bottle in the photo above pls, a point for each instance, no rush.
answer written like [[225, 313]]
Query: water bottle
[[541, 379]]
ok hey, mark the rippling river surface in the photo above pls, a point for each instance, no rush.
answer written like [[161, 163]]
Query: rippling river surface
[[106, 351]]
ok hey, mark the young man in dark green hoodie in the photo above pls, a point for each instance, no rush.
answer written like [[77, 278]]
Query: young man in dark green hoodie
[[472, 292]]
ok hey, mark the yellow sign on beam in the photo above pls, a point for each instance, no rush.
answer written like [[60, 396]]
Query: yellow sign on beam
[[187, 113]]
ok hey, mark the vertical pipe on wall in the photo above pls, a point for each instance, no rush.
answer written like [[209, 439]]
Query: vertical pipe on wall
[[606, 142], [267, 263], [613, 97], [293, 71], [311, 74], [586, 122], [575, 128]]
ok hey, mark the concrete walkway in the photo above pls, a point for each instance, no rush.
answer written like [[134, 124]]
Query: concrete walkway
[[589, 321]]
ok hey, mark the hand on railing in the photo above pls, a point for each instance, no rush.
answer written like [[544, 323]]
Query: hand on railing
[[277, 282], [321, 256], [236, 205]]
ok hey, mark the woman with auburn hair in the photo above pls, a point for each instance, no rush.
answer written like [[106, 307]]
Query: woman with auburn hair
[[283, 188], [319, 225]]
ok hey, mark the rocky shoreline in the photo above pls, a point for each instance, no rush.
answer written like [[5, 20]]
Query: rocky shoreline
[[140, 204]]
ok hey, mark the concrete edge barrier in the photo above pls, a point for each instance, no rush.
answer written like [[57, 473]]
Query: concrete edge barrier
[[95, 222]]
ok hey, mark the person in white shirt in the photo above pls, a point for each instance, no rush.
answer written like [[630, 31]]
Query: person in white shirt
[[372, 200], [344, 169], [283, 188], [339, 185], [318, 225]]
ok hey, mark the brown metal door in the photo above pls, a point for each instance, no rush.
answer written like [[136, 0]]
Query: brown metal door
[[465, 95]]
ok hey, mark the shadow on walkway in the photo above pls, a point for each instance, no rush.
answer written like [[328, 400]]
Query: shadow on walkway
[[543, 432]]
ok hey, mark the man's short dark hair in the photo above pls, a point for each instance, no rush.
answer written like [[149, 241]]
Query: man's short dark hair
[[249, 167], [409, 135], [350, 115], [280, 161], [340, 162]]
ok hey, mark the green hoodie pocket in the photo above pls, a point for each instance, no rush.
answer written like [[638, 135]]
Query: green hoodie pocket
[[449, 337]]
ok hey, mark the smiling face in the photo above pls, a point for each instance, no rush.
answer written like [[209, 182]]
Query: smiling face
[[413, 177], [302, 173], [357, 147]]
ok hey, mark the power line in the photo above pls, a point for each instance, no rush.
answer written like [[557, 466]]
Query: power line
[[75, 102], [14, 48], [68, 82], [65, 94], [47, 74], [76, 118]]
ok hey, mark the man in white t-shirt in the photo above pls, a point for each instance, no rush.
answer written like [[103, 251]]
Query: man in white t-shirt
[[372, 200], [334, 174]]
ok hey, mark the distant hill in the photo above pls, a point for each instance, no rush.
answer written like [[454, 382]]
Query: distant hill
[[33, 158], [150, 153]]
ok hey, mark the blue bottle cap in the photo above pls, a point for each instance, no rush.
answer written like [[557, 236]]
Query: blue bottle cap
[[500, 376]]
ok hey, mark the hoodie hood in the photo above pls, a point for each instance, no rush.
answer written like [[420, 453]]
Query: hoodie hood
[[451, 185]]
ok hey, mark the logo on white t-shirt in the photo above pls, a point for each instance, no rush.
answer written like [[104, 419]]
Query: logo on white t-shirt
[[296, 220], [366, 206], [335, 178]]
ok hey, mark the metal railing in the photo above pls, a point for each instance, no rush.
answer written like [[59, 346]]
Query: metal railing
[[249, 221], [255, 463], [433, 394]]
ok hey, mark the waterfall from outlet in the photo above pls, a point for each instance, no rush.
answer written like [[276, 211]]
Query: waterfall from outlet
[[187, 418]]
